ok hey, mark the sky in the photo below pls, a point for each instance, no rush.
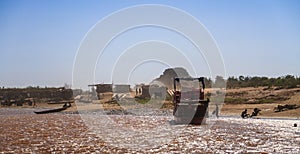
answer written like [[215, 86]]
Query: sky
[[39, 40]]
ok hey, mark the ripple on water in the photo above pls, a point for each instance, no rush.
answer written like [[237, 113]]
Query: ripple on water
[[25, 132]]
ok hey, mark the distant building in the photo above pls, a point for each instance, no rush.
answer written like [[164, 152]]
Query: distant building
[[145, 91], [102, 88], [121, 89], [20, 95], [150, 91], [157, 91]]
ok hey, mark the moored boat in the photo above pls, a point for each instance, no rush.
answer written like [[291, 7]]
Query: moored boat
[[54, 110]]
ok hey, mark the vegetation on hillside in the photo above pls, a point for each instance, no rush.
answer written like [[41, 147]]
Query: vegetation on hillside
[[288, 81]]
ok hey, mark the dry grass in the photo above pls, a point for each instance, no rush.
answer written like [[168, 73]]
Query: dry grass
[[292, 95]]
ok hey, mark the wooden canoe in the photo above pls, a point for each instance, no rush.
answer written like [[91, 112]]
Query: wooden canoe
[[51, 110]]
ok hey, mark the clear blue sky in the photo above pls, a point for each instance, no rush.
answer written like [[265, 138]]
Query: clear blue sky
[[39, 39]]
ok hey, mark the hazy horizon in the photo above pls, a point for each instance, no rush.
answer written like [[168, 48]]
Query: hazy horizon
[[132, 84]]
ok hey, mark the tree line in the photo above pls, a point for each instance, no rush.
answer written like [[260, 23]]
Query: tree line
[[287, 81]]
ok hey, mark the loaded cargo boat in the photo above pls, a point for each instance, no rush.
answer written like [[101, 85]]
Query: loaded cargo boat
[[190, 107]]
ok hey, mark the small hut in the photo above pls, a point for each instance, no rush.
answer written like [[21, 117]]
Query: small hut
[[121, 88]]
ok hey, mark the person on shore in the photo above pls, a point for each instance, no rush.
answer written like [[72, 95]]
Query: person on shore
[[67, 104], [255, 112], [34, 103], [244, 114], [217, 111]]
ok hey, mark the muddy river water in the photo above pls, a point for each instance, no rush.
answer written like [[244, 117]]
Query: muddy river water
[[22, 131]]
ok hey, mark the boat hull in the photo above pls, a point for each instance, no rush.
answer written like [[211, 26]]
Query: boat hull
[[191, 113], [50, 111]]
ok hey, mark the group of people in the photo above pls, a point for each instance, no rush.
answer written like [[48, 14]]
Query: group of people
[[254, 113], [67, 104], [244, 114]]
